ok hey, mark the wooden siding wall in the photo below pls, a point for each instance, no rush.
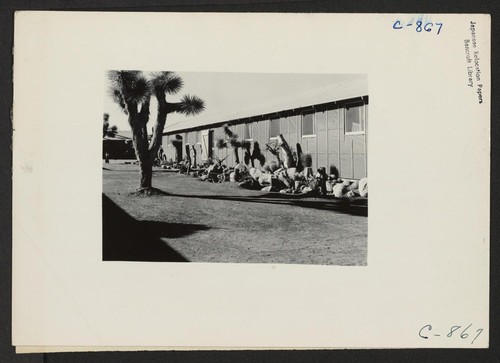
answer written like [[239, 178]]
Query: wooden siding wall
[[330, 146], [168, 148]]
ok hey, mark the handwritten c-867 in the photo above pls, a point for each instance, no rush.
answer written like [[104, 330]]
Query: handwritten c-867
[[419, 25], [428, 331]]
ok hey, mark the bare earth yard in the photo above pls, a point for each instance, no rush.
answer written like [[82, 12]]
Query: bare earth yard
[[210, 222]]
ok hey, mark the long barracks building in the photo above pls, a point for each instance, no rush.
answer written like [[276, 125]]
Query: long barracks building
[[330, 123]]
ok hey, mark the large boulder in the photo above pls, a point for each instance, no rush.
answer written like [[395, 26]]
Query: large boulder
[[363, 187], [354, 185], [265, 179], [339, 190], [255, 173]]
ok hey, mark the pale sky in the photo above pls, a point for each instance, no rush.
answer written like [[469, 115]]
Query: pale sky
[[227, 92]]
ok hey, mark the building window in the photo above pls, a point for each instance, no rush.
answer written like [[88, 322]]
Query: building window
[[247, 131], [308, 124], [274, 131], [355, 120]]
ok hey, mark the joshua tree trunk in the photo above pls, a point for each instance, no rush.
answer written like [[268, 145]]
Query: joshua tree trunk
[[236, 156], [146, 173], [160, 123], [144, 159], [140, 142], [147, 151], [289, 160]]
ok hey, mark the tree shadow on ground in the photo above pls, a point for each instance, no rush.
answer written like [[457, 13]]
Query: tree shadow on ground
[[122, 170], [358, 207], [127, 239]]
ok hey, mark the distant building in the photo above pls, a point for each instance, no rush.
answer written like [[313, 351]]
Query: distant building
[[119, 147], [330, 123]]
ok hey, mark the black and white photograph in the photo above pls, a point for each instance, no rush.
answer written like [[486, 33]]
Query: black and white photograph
[[224, 203], [235, 167]]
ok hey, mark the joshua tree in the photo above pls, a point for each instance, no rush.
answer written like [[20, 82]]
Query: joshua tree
[[281, 146], [132, 91], [289, 159], [274, 148], [106, 130], [233, 142]]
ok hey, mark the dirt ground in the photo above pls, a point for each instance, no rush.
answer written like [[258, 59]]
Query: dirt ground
[[209, 222]]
